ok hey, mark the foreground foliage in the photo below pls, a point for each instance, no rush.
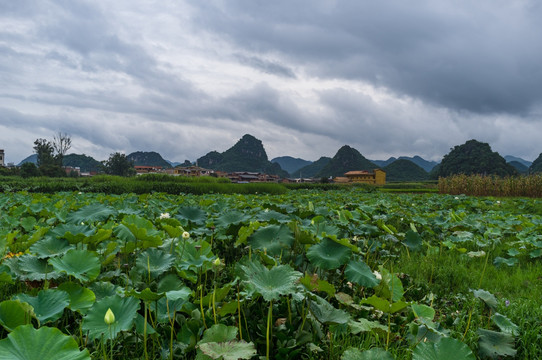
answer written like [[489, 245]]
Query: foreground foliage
[[314, 275]]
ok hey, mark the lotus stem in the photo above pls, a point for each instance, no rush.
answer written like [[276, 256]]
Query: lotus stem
[[268, 335], [145, 332], [239, 313], [214, 304]]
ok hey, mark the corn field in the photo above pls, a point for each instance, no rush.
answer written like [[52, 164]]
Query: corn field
[[483, 185]]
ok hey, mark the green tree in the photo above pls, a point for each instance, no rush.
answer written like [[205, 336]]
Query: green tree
[[119, 164], [29, 169], [45, 151]]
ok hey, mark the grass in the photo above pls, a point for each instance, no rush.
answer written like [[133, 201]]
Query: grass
[[451, 276]]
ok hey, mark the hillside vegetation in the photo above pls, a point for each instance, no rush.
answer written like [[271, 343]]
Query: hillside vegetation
[[473, 157]]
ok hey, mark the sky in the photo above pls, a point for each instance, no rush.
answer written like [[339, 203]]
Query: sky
[[183, 78]]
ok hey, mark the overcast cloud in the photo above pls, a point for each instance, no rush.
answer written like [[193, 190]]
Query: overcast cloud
[[184, 78]]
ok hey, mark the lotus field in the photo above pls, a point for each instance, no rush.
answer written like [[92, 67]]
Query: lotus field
[[341, 274]]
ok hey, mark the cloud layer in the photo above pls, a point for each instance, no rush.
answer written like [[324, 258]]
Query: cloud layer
[[306, 77]]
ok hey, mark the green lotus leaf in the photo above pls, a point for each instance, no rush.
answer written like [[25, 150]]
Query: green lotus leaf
[[328, 254], [219, 333], [140, 326], [105, 289], [229, 218], [423, 312], [81, 264], [413, 240], [313, 283], [125, 311], [390, 286], [495, 345], [506, 261], [272, 216], [372, 354], [359, 273], [154, 261], [14, 313], [74, 233], [271, 284], [169, 282], [193, 214], [143, 230], [487, 297], [50, 246], [364, 325], [28, 223], [444, 349], [166, 307], [27, 343], [29, 267], [81, 298], [91, 213], [230, 350], [145, 295], [274, 239], [48, 305], [325, 313], [505, 324]]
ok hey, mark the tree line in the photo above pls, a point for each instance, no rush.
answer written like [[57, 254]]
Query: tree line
[[50, 156]]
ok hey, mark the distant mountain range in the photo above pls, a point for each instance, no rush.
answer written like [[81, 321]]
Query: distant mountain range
[[248, 154], [290, 164]]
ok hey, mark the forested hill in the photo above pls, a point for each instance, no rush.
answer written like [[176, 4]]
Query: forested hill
[[536, 166], [473, 157], [346, 159], [248, 154], [148, 158], [290, 164], [405, 170]]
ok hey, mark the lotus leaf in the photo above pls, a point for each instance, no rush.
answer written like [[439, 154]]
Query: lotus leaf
[[219, 333], [230, 350], [48, 305], [444, 349], [505, 324], [81, 264], [154, 261], [125, 311], [328, 254], [50, 246], [325, 313], [271, 284], [81, 298], [14, 313], [495, 345], [27, 343], [372, 354], [273, 239], [487, 297], [91, 213], [358, 272], [29, 267], [193, 214]]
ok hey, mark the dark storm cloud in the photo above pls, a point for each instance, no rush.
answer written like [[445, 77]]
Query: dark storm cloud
[[266, 66], [479, 56]]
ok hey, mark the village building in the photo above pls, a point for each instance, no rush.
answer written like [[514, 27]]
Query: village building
[[375, 177], [2, 161], [189, 171], [145, 169]]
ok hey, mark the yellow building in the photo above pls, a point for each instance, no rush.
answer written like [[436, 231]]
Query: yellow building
[[376, 177]]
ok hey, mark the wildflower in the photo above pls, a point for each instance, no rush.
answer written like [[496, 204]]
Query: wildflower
[[80, 193], [164, 216], [507, 303], [377, 275], [457, 198], [186, 235], [109, 317]]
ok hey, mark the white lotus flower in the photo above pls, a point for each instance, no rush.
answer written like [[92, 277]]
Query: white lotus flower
[[377, 275], [164, 216], [186, 235]]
